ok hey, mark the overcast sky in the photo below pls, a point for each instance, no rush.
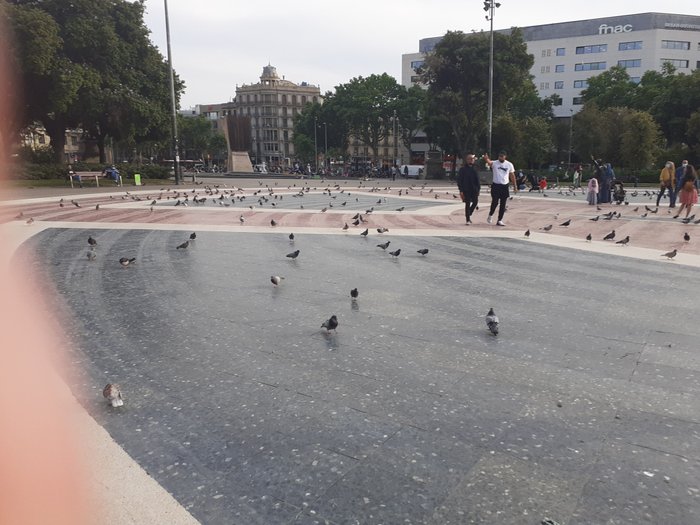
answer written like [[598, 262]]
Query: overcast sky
[[218, 44]]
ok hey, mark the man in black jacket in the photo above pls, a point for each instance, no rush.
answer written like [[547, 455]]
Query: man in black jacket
[[469, 185]]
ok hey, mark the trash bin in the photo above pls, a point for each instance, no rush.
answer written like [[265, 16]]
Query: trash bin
[[137, 179]]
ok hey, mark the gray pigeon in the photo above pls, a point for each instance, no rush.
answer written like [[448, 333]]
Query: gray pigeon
[[330, 324], [492, 321], [276, 279], [183, 246]]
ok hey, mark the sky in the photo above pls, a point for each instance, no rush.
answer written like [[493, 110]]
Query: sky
[[219, 44]]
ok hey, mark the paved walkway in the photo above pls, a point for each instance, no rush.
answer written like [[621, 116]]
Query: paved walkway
[[427, 211]]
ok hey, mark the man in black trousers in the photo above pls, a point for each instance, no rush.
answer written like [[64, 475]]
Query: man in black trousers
[[469, 185]]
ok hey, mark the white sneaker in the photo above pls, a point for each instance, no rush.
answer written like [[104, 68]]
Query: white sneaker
[[488, 219], [501, 223]]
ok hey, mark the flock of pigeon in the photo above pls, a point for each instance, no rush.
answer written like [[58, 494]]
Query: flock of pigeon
[[611, 235]]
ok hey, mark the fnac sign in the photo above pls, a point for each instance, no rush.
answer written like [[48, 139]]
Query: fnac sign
[[605, 29]]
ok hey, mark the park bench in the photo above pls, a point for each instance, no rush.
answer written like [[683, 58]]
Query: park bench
[[80, 176]]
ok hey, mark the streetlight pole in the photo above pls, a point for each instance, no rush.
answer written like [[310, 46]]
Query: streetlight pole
[[396, 150], [325, 146], [176, 149], [315, 146], [490, 7], [571, 134]]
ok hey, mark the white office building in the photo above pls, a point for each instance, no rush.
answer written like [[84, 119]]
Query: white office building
[[567, 54]]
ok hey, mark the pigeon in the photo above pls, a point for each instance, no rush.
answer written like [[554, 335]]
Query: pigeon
[[241, 219], [345, 227], [686, 237], [30, 220], [395, 253], [382, 230], [402, 208], [75, 204], [610, 236], [527, 233], [492, 322], [589, 237], [293, 255], [291, 236], [384, 246], [364, 233], [356, 222], [113, 394], [565, 223], [193, 236], [671, 254], [276, 279], [183, 245], [547, 228], [91, 255], [624, 241], [595, 219], [97, 207], [643, 215], [354, 293], [688, 219], [19, 215], [273, 222], [125, 261], [423, 251], [330, 324]]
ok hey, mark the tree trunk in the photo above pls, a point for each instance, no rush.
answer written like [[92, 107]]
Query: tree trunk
[[56, 130], [101, 149]]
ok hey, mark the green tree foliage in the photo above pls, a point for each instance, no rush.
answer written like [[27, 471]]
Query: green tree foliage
[[457, 75], [368, 105], [640, 140], [199, 140], [612, 88], [90, 64]]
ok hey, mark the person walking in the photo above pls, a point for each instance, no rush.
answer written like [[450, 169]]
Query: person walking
[[503, 173], [689, 193], [469, 185], [680, 171], [667, 181]]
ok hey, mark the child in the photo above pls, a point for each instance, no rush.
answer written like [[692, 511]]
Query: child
[[543, 184], [592, 196]]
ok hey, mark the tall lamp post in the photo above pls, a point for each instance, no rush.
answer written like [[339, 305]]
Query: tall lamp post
[[571, 134], [325, 146], [396, 150], [490, 7], [176, 149], [315, 146]]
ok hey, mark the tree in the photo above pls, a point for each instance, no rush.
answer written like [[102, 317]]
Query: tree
[[411, 113], [198, 140], [457, 75], [612, 88], [640, 141], [368, 105], [90, 64]]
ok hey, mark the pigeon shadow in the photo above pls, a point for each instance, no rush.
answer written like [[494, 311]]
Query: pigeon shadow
[[330, 340], [354, 306]]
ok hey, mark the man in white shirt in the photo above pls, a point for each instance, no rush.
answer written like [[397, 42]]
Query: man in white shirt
[[503, 173]]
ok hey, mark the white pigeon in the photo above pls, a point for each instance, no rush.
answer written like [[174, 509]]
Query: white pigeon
[[492, 321], [276, 279], [113, 394]]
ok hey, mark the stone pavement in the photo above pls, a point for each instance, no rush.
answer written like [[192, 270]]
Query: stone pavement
[[582, 410]]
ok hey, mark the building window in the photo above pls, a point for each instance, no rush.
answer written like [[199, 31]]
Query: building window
[[415, 64], [675, 44], [544, 85], [544, 69], [559, 68], [637, 62], [415, 79], [629, 46], [597, 48], [284, 99], [581, 84], [294, 99], [678, 64], [559, 84], [303, 100], [578, 101], [546, 53], [561, 52], [559, 101], [590, 66]]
